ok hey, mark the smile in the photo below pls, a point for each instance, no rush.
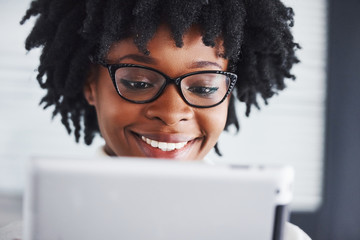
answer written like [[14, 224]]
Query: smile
[[164, 146]]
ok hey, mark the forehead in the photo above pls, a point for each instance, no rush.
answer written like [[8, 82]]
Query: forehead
[[163, 41]]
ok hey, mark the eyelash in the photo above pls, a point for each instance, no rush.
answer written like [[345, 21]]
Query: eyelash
[[132, 84]]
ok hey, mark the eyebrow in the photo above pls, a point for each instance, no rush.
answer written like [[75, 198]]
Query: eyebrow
[[201, 64], [138, 58], [151, 60]]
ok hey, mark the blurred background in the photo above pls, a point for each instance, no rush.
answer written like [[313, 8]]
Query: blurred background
[[312, 125]]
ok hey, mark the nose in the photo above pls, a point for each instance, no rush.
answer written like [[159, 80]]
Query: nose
[[169, 108]]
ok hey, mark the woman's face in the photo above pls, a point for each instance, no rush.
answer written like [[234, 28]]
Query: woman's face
[[130, 129]]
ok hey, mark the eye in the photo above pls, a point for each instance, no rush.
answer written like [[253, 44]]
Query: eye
[[202, 90], [135, 85]]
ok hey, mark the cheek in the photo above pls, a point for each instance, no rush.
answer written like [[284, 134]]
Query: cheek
[[114, 114], [117, 116], [212, 121]]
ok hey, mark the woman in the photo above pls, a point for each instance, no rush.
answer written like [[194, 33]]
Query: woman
[[159, 78]]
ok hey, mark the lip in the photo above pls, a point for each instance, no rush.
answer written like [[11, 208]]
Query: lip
[[153, 152]]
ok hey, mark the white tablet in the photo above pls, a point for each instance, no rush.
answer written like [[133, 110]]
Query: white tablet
[[148, 199]]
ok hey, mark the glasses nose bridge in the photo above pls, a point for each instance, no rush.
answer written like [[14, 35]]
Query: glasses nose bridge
[[170, 80]]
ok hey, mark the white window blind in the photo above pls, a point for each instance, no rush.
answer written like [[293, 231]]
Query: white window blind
[[288, 131]]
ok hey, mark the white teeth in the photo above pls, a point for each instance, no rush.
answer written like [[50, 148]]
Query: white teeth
[[164, 146], [154, 143], [179, 145], [171, 145]]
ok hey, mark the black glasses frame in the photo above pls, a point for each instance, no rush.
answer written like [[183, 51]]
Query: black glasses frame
[[113, 67]]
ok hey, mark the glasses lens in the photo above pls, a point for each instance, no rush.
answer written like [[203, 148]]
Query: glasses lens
[[138, 84], [205, 89]]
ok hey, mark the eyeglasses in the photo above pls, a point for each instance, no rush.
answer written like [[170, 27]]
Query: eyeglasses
[[140, 84]]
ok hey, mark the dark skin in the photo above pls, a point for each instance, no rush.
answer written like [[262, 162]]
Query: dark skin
[[127, 126]]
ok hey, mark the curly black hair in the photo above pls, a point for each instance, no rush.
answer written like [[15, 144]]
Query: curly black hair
[[256, 38]]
